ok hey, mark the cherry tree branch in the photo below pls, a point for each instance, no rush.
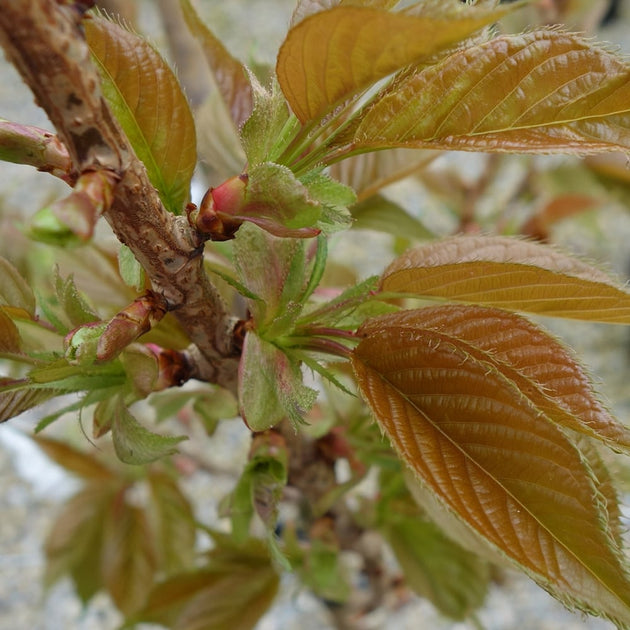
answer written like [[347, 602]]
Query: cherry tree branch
[[44, 40]]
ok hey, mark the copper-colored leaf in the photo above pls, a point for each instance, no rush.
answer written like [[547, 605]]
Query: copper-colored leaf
[[230, 75], [10, 342], [174, 524], [509, 273], [492, 460], [73, 460], [14, 290], [542, 368], [333, 54], [128, 556], [150, 106], [501, 94], [17, 396]]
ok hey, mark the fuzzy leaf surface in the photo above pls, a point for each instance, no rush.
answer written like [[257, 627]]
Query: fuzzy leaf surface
[[543, 369], [503, 95], [136, 445], [494, 462], [270, 385], [332, 55], [512, 274], [150, 106]]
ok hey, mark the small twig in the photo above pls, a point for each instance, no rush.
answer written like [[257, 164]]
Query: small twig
[[44, 40]]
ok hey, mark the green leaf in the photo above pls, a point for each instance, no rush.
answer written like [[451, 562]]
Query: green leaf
[[14, 290], [509, 273], [75, 309], [150, 106], [128, 556], [230, 75], [270, 386], [271, 268], [269, 129], [380, 214], [172, 520], [131, 270], [334, 54], [136, 445], [275, 196], [502, 95], [490, 460], [335, 199], [453, 579]]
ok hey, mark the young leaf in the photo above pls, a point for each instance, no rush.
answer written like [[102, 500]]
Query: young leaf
[[17, 396], [503, 93], [172, 519], [264, 132], [74, 543], [150, 106], [491, 460], [128, 556], [230, 75], [509, 273], [381, 214], [435, 567], [270, 386], [233, 590], [10, 342], [79, 463], [332, 55], [541, 367], [14, 290], [136, 445]]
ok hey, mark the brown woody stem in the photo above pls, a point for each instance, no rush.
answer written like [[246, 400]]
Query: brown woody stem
[[44, 40]]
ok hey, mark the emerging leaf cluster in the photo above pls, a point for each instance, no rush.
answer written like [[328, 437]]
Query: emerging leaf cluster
[[486, 436]]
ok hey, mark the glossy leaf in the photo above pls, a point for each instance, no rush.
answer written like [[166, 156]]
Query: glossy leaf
[[14, 290], [270, 386], [489, 458], [509, 273], [78, 463], [540, 366], [503, 93], [127, 556], [334, 54], [150, 106], [136, 445], [452, 578], [230, 75]]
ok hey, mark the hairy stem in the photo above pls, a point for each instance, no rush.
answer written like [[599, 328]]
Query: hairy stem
[[44, 40]]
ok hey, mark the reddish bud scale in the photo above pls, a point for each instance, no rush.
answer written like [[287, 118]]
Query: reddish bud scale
[[173, 367], [127, 325], [219, 207]]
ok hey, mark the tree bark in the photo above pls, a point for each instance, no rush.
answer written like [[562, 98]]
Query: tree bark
[[44, 40]]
